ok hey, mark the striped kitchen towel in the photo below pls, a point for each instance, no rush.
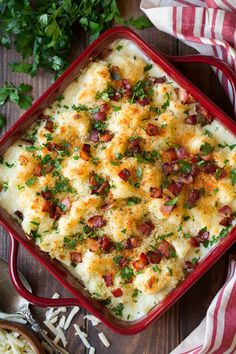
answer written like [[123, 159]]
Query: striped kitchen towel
[[209, 26], [216, 334]]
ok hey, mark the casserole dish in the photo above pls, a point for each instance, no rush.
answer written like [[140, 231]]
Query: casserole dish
[[56, 269]]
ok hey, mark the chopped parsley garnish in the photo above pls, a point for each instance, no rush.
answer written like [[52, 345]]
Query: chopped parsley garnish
[[167, 102], [231, 147], [31, 181], [69, 243], [118, 310], [232, 175], [138, 91], [126, 273], [186, 167], [62, 185], [172, 202], [9, 165], [35, 234], [155, 110], [5, 186], [106, 94], [80, 107], [117, 260], [206, 149], [119, 47], [148, 67], [207, 132], [136, 292], [116, 108], [170, 270], [148, 156], [133, 200], [156, 269]]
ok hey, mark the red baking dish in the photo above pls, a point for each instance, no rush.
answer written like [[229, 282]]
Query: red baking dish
[[80, 295]]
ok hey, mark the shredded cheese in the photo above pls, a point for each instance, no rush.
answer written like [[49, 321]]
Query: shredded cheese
[[71, 316], [94, 320], [104, 339], [82, 337]]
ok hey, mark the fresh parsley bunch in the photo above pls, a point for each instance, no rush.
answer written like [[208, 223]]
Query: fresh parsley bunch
[[43, 31]]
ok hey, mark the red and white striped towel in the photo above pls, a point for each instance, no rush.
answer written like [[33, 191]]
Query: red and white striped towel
[[208, 26], [216, 334]]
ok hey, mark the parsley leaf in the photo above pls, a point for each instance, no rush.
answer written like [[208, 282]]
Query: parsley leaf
[[16, 94], [233, 176]]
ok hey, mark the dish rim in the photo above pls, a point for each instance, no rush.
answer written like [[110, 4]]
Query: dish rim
[[117, 325]]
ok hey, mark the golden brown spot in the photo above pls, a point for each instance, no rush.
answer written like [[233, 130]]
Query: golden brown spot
[[23, 160]]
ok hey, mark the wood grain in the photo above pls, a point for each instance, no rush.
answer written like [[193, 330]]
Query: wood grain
[[165, 333]]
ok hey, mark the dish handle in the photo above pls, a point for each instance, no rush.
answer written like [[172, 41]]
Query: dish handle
[[213, 61], [21, 288]]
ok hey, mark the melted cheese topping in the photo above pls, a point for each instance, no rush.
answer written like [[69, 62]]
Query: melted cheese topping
[[122, 179]]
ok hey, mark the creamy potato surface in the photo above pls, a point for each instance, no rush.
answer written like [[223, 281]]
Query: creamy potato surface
[[125, 179]]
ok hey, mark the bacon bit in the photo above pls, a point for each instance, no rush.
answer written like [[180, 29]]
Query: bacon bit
[[190, 98], [75, 257], [175, 188], [201, 110], [96, 222], [203, 236], [108, 279], [171, 154], [37, 171], [124, 174], [105, 243], [93, 179], [226, 221], [225, 210], [51, 146], [154, 257], [143, 102], [19, 214], [146, 228], [49, 125], [117, 292], [183, 94], [151, 281], [209, 167], [66, 202], [93, 245], [141, 263], [186, 179], [155, 192], [193, 196], [166, 249], [85, 152], [106, 137], [189, 265], [220, 173], [207, 157], [182, 152], [104, 188], [116, 96], [151, 129], [126, 85], [168, 168], [194, 242], [123, 262], [46, 207], [160, 80], [104, 107], [23, 160], [191, 120], [133, 146], [100, 116], [131, 243], [46, 195], [166, 209], [94, 136]]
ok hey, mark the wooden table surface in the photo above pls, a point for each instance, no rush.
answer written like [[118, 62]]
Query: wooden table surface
[[168, 331]]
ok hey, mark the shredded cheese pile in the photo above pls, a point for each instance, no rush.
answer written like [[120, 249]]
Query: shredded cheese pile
[[14, 343]]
